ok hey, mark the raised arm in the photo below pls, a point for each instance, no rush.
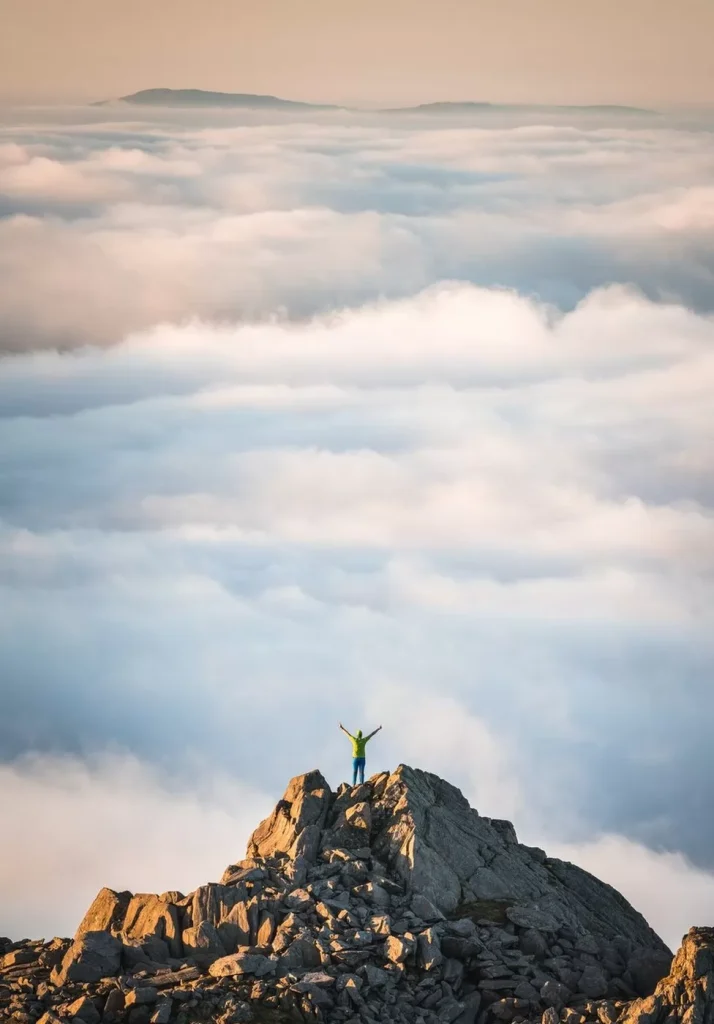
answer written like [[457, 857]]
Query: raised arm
[[346, 732], [374, 733]]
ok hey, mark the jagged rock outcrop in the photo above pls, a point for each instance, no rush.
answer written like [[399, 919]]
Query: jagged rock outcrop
[[390, 901], [686, 994]]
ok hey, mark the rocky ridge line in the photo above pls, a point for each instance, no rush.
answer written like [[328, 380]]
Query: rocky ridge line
[[391, 901]]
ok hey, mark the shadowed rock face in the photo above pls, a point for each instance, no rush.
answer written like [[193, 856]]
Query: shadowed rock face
[[390, 901]]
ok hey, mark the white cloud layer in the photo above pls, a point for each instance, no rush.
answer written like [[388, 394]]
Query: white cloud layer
[[359, 422], [111, 822], [111, 226]]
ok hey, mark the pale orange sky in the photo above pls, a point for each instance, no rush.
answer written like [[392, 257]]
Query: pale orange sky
[[655, 52]]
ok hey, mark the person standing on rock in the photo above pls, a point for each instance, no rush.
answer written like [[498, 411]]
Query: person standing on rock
[[359, 746]]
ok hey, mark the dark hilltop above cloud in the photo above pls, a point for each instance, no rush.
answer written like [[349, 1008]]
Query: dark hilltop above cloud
[[468, 106], [251, 101], [206, 98]]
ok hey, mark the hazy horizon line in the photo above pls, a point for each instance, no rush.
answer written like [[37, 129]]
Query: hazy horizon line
[[356, 104]]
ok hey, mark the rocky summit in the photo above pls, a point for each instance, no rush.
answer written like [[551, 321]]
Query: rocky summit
[[392, 901]]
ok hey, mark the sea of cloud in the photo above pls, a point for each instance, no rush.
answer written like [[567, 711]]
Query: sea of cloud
[[353, 419]]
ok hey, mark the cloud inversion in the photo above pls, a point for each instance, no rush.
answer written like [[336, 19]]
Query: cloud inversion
[[327, 421]]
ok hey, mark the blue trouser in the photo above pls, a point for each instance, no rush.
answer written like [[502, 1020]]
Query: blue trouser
[[357, 766]]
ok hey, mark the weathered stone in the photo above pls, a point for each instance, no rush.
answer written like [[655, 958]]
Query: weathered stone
[[149, 917], [380, 924], [266, 929], [571, 1016], [463, 927], [504, 1009], [298, 900], [472, 1005], [235, 927], [114, 1005], [460, 948], [320, 978], [142, 995], [449, 1009], [495, 970], [359, 816], [306, 845], [376, 977], [17, 957], [296, 870], [207, 904], [106, 913], [646, 967], [347, 980], [533, 943], [176, 977], [305, 803], [498, 984], [302, 952], [429, 949], [235, 874], [92, 956], [397, 949], [421, 907], [587, 944], [554, 994], [203, 943], [607, 1012], [242, 963], [453, 973], [138, 1015], [687, 992], [317, 999], [593, 982], [83, 1009], [162, 1012], [649, 1010], [524, 990], [550, 1016], [373, 893]]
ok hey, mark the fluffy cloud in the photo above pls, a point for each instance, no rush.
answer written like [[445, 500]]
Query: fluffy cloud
[[110, 822], [110, 227], [282, 473]]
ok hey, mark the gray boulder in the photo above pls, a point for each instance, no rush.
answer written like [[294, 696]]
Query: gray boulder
[[150, 917], [303, 809], [646, 967], [242, 963], [94, 955], [593, 982], [429, 949], [203, 943], [106, 913]]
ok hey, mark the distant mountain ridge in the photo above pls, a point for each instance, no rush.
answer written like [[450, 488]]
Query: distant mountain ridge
[[253, 101], [455, 107], [206, 98]]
